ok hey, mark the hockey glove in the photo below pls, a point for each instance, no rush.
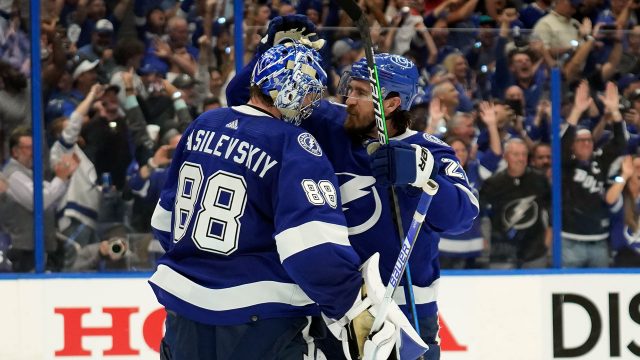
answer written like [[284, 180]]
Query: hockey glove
[[395, 335], [290, 27], [401, 163]]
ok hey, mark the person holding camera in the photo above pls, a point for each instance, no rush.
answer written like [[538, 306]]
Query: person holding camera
[[517, 67], [109, 254]]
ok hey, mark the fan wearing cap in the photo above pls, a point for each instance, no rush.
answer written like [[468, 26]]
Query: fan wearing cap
[[585, 172], [186, 85], [89, 12], [83, 76], [100, 48]]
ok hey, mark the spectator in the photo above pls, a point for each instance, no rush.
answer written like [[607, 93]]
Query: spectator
[[457, 66], [77, 213], [462, 126], [558, 30], [176, 55], [533, 12], [15, 102], [585, 217], [633, 43], [541, 159], [482, 56], [448, 95], [185, 84], [150, 22], [215, 86], [112, 253], [107, 139], [128, 55], [17, 218], [518, 200], [211, 103], [83, 75], [100, 48], [462, 250], [147, 181], [622, 197], [89, 12], [516, 68]]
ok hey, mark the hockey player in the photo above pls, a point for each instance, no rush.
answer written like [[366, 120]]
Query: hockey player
[[344, 131], [256, 242]]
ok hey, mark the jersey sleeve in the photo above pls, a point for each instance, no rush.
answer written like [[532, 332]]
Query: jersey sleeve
[[311, 234], [454, 207]]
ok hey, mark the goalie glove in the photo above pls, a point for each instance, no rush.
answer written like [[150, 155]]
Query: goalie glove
[[395, 335], [288, 28], [401, 163]]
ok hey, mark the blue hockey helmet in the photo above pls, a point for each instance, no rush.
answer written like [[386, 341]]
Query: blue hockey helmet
[[395, 73], [292, 76]]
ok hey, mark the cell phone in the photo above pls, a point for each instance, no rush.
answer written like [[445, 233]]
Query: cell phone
[[516, 106], [171, 152]]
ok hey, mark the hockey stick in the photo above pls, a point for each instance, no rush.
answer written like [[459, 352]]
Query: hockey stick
[[355, 13]]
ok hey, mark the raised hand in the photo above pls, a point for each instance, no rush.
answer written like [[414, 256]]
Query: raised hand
[[488, 114], [582, 100], [627, 168], [611, 100], [162, 49]]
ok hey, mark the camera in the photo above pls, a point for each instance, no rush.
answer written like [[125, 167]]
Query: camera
[[625, 104], [520, 40], [516, 106], [117, 248]]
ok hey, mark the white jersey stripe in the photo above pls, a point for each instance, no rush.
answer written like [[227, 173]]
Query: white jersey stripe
[[161, 219], [461, 246], [236, 297], [580, 237], [308, 235], [422, 295], [472, 197]]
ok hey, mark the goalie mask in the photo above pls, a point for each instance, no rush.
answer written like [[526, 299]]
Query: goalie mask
[[292, 76], [395, 73]]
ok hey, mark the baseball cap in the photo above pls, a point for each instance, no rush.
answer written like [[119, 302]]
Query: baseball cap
[[627, 80], [183, 81], [104, 26], [486, 20], [575, 3], [149, 68], [82, 67], [343, 46]]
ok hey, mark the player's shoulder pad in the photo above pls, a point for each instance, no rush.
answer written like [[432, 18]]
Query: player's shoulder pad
[[426, 140]]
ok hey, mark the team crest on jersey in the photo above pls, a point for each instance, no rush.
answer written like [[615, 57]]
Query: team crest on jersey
[[433, 139], [361, 200], [309, 143]]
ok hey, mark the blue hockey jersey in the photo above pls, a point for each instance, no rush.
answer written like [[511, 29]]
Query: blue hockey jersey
[[251, 222], [368, 209]]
